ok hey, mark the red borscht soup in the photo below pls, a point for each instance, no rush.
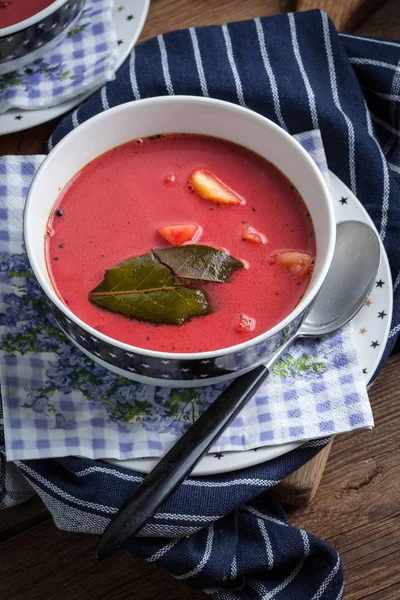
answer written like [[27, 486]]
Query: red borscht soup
[[14, 11], [180, 243]]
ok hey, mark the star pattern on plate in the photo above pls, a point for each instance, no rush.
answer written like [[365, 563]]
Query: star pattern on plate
[[380, 283], [120, 42], [218, 455], [374, 344], [130, 17], [368, 303], [363, 330], [364, 371], [382, 314], [120, 8], [343, 200], [18, 117]]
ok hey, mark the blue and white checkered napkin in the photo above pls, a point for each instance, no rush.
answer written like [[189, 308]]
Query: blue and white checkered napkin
[[57, 402], [83, 60]]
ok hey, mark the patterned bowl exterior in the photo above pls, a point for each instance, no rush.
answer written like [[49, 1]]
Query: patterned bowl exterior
[[169, 370], [35, 38]]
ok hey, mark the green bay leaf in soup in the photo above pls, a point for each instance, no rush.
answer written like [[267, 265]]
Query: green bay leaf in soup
[[197, 262], [142, 288]]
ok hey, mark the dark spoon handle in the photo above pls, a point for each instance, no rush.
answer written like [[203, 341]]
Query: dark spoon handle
[[179, 462]]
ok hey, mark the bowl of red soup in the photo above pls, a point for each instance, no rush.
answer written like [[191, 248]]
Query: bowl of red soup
[[29, 28], [178, 240]]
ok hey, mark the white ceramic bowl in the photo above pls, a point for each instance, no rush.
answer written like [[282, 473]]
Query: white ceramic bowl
[[185, 114], [30, 39]]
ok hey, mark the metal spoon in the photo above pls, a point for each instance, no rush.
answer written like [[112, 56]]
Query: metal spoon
[[343, 293]]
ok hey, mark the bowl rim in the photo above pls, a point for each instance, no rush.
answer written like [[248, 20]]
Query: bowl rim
[[21, 25], [240, 110]]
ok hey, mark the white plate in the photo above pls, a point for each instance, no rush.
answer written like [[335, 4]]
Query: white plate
[[129, 18], [371, 330]]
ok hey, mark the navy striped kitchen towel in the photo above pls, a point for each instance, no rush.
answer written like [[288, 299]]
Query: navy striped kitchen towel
[[226, 533]]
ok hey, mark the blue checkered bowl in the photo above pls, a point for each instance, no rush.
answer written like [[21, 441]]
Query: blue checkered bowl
[[183, 114], [29, 40]]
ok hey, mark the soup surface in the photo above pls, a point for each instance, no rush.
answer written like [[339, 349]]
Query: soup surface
[[113, 207], [14, 11]]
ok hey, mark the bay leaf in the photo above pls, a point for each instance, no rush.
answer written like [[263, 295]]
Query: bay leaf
[[142, 288], [198, 263]]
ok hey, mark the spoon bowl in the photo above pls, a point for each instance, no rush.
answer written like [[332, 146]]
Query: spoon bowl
[[350, 279]]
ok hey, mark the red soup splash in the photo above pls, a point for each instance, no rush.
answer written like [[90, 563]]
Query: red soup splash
[[168, 191], [14, 11]]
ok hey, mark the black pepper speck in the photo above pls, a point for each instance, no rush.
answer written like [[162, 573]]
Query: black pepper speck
[[59, 212]]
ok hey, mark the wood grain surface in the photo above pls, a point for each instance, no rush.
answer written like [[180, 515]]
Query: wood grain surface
[[357, 505], [301, 486], [346, 15]]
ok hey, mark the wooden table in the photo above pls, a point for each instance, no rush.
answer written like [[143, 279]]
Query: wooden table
[[357, 507]]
